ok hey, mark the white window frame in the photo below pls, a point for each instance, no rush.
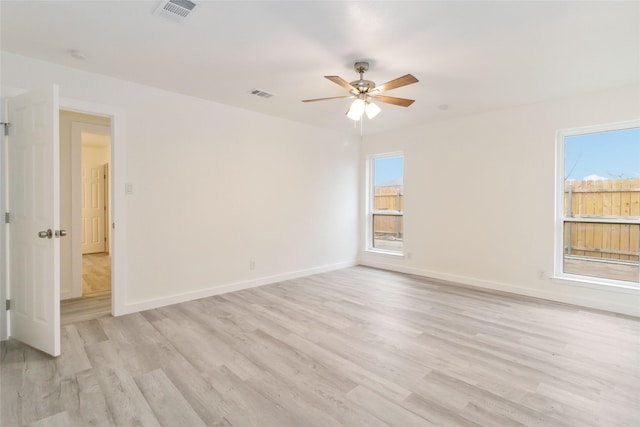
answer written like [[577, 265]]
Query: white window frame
[[369, 202], [560, 218]]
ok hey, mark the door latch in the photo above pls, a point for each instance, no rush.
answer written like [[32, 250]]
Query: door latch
[[45, 234]]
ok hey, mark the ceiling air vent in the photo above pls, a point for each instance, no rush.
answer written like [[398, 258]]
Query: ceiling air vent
[[175, 10], [261, 93]]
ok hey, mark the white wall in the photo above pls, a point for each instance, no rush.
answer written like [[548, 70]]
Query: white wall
[[214, 187], [290, 196], [94, 155], [480, 197]]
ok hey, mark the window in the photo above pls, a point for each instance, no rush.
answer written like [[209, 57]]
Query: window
[[385, 231], [598, 205]]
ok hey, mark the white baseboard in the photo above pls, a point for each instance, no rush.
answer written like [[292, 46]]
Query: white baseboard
[[229, 287], [68, 295], [631, 305]]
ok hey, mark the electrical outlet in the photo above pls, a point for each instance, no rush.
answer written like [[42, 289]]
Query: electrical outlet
[[252, 265], [542, 275]]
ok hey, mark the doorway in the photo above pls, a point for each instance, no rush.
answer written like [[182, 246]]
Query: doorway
[[85, 192], [39, 162]]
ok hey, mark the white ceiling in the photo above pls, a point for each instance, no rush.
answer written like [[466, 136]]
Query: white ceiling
[[473, 56]]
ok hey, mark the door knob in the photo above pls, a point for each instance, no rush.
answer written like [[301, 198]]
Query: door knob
[[60, 233], [45, 234]]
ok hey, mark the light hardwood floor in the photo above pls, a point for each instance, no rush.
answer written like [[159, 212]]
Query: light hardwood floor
[[96, 274], [354, 347], [96, 290]]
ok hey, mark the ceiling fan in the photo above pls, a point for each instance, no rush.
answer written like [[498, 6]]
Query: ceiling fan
[[366, 91]]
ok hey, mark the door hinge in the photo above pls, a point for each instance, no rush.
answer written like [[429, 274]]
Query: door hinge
[[7, 217], [7, 305], [6, 128]]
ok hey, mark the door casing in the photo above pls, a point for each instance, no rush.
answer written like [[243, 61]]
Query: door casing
[[4, 319], [117, 205]]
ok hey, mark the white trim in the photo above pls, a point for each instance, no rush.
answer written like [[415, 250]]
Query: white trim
[[602, 220], [558, 249], [383, 252], [593, 283], [369, 201], [230, 287], [4, 318], [606, 127], [118, 217], [630, 307], [388, 213]]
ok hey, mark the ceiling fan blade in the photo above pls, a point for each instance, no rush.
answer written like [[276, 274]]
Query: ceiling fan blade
[[402, 102], [341, 82], [396, 83], [326, 99]]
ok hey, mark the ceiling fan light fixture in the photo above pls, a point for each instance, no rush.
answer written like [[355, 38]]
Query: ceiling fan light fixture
[[356, 110], [364, 91], [372, 110]]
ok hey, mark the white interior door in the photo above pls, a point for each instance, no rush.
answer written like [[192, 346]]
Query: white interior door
[[107, 201], [34, 203], [93, 208]]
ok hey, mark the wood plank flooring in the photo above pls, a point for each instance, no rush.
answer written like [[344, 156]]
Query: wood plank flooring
[[85, 308], [96, 290], [96, 274], [354, 347]]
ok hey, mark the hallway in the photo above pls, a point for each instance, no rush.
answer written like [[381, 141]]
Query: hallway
[[96, 291]]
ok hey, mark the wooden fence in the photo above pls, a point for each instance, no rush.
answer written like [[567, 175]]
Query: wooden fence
[[603, 199], [388, 199]]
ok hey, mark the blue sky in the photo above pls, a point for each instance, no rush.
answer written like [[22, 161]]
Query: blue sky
[[614, 154], [388, 169]]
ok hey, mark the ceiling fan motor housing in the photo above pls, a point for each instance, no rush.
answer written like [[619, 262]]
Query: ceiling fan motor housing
[[363, 86], [361, 67]]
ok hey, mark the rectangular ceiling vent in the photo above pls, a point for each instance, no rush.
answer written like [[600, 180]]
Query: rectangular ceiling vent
[[175, 10], [261, 93]]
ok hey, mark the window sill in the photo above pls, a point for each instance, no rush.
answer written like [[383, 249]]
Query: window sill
[[586, 282], [383, 252]]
